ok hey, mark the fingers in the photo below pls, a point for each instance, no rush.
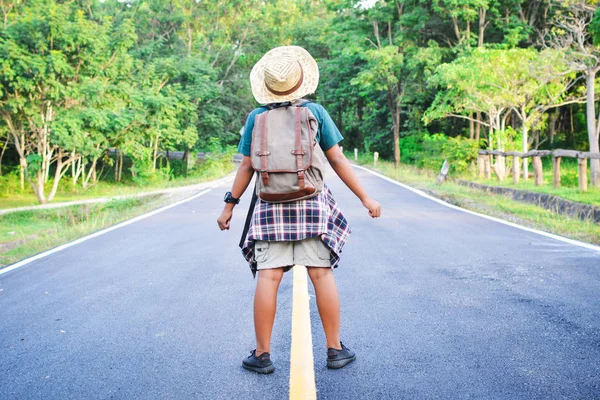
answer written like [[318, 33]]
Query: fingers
[[375, 212], [223, 224]]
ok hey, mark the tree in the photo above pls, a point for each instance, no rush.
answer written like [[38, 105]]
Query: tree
[[576, 33], [50, 52], [382, 74]]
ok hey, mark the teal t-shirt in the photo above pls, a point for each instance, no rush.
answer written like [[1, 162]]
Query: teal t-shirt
[[328, 135]]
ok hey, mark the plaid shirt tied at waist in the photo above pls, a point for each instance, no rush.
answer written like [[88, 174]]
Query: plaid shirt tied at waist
[[298, 220]]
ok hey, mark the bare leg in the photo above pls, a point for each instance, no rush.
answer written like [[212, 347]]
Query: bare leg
[[265, 305], [328, 303]]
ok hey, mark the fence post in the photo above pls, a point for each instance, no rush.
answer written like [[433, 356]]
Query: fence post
[[525, 169], [538, 173], [516, 169], [556, 165], [355, 154], [582, 174], [487, 162], [480, 165], [375, 158]]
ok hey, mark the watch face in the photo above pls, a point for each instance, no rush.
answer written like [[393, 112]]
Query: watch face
[[227, 196]]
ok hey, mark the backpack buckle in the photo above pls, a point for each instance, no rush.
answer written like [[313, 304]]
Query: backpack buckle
[[298, 152], [263, 153]]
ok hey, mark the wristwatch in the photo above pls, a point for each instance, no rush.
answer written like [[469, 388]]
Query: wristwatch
[[230, 199]]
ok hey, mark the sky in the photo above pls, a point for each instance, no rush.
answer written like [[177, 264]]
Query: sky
[[366, 4]]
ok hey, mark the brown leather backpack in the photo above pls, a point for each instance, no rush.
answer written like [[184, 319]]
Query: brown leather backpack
[[286, 155]]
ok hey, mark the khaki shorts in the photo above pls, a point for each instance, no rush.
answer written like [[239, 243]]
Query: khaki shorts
[[310, 252]]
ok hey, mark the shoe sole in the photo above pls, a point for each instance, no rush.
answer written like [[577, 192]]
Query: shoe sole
[[260, 370], [339, 363]]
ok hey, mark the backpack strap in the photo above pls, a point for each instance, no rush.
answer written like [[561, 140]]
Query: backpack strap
[[263, 150], [297, 103], [301, 102], [298, 151]]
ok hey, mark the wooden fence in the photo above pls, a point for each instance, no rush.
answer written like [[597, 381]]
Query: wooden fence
[[484, 164]]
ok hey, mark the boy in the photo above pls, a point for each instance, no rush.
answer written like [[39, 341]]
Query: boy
[[309, 232]]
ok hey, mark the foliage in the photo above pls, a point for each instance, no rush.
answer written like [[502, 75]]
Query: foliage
[[81, 80]]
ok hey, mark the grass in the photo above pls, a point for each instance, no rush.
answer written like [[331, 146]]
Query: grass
[[12, 197], [25, 233], [490, 204]]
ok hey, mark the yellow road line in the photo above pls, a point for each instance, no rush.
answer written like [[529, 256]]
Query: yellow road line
[[302, 368]]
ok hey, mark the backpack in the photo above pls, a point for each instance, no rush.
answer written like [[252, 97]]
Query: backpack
[[285, 154]]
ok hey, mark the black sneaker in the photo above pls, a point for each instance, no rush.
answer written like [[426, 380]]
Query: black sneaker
[[261, 364], [339, 358]]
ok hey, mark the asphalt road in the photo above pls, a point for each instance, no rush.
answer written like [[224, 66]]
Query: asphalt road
[[437, 303]]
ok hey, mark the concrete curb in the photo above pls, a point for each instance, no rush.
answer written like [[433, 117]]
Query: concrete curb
[[585, 212]]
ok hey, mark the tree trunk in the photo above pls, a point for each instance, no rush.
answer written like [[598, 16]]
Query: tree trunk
[[116, 165], [62, 167], [120, 165], [482, 12], [38, 187], [591, 126], [47, 158], [525, 159], [471, 128], [394, 106], [22, 160], [93, 170], [155, 153], [478, 128], [552, 126], [91, 174], [397, 136], [186, 160], [3, 150], [83, 180], [457, 30], [22, 166], [73, 169], [359, 112]]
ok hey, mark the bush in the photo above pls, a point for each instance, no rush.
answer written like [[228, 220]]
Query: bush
[[10, 184], [411, 148], [460, 153], [433, 146]]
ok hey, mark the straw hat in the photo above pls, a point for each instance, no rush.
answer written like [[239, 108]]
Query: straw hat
[[283, 74]]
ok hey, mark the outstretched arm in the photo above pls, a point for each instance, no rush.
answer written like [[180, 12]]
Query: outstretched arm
[[243, 177], [342, 168]]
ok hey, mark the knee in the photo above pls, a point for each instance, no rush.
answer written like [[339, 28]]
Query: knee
[[271, 275], [317, 273]]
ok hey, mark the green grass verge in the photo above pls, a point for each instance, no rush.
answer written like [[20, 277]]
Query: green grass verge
[[26, 233], [12, 197], [490, 204]]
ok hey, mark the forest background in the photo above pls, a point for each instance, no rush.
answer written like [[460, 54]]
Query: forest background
[[102, 91]]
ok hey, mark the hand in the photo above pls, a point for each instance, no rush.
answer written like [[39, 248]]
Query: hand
[[224, 219], [373, 206]]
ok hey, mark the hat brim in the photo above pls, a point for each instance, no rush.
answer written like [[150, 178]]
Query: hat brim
[[309, 82]]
